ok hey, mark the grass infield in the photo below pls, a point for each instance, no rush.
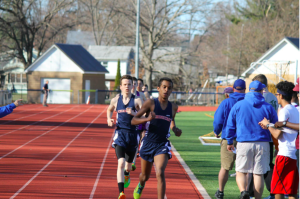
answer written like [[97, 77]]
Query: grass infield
[[204, 161]]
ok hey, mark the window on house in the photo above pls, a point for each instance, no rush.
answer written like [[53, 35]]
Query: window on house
[[18, 78], [104, 63], [13, 77], [24, 79]]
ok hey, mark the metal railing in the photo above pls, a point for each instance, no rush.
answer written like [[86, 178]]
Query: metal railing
[[5, 97], [180, 98], [206, 98]]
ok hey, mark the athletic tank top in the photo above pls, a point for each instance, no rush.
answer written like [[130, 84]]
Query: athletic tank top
[[123, 118], [158, 130]]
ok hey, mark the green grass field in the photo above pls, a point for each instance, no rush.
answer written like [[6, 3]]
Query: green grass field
[[204, 161]]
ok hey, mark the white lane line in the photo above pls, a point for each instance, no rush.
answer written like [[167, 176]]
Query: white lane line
[[35, 122], [27, 183], [196, 182], [101, 168], [43, 133], [28, 115]]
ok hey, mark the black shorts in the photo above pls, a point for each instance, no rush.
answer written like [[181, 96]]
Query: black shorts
[[121, 152]]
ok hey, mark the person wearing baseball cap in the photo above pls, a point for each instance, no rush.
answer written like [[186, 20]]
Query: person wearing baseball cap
[[235, 94], [271, 99], [253, 141], [227, 91]]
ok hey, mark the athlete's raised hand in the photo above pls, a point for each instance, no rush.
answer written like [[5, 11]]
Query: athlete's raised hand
[[110, 122], [18, 102], [151, 116], [177, 131]]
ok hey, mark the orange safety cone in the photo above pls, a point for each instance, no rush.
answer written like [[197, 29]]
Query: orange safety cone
[[88, 100]]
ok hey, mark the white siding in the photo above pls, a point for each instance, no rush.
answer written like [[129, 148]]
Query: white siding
[[112, 69], [284, 52], [56, 61]]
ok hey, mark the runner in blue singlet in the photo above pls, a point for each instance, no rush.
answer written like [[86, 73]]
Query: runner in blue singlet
[[155, 147]]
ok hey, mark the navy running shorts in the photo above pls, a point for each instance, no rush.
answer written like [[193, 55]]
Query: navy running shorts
[[127, 139], [148, 149]]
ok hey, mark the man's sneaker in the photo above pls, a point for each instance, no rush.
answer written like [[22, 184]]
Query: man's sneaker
[[219, 195], [138, 191], [127, 181], [122, 196], [245, 195], [232, 175], [133, 166]]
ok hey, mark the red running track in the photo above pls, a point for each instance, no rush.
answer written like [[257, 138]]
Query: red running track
[[64, 151]]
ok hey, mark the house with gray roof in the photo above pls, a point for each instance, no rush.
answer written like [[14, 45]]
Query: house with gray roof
[[166, 60], [70, 69]]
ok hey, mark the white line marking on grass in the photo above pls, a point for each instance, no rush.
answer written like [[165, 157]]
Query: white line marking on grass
[[41, 134], [34, 123], [196, 182], [28, 182], [210, 138], [28, 116]]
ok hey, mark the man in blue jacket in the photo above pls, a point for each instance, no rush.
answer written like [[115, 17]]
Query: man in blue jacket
[[5, 110], [220, 120], [253, 149]]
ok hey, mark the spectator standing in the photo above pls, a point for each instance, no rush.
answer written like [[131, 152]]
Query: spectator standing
[[296, 89], [227, 91], [285, 179], [271, 99], [46, 91], [220, 121], [253, 142]]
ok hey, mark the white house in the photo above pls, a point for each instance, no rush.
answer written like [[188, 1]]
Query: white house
[[12, 72], [108, 56], [73, 75], [166, 60], [279, 63]]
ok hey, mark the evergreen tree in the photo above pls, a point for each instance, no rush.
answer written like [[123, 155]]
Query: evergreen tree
[[118, 77]]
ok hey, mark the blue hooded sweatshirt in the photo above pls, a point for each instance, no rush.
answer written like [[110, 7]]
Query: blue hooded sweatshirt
[[244, 118], [221, 115], [5, 110]]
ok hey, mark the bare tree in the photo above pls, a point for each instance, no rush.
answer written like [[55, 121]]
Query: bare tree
[[104, 20], [161, 21], [29, 24]]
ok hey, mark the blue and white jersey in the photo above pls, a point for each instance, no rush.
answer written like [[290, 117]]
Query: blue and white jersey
[[123, 118], [158, 130]]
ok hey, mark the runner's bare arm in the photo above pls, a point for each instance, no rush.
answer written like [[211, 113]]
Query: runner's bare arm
[[138, 106], [143, 96], [147, 96], [147, 108], [110, 111], [176, 130]]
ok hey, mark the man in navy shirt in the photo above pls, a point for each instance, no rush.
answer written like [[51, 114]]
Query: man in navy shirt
[[126, 137], [46, 90], [155, 147]]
